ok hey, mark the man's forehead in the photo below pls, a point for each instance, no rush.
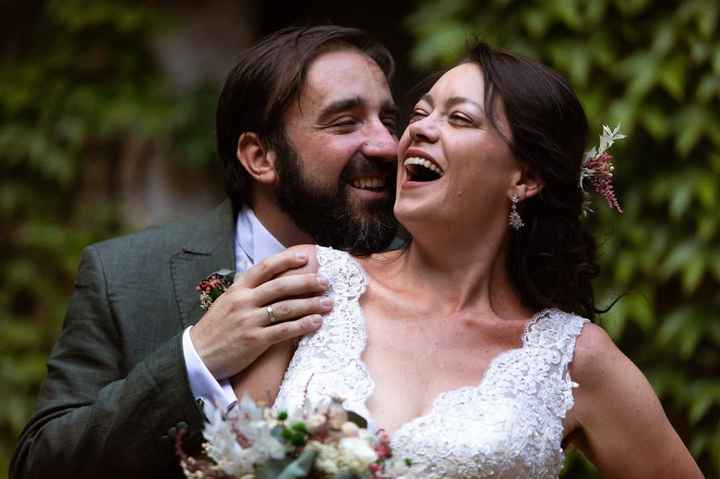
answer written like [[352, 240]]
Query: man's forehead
[[345, 75]]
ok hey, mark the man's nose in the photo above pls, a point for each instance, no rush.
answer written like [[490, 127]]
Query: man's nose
[[381, 143]]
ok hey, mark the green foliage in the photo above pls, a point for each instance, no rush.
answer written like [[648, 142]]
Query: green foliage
[[654, 67], [78, 84]]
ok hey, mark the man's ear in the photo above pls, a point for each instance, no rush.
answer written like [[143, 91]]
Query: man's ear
[[258, 161], [526, 183]]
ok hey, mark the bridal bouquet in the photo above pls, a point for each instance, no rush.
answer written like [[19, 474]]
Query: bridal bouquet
[[325, 441]]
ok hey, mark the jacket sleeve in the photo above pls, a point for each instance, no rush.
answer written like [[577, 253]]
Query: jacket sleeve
[[95, 416]]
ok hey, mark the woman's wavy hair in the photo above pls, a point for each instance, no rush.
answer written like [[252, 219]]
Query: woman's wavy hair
[[552, 259]]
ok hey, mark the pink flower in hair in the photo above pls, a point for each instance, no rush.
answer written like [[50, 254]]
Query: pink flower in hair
[[597, 167]]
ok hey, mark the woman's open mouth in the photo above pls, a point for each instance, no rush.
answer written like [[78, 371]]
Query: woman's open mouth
[[422, 169]]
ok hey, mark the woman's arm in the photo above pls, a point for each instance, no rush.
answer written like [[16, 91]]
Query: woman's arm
[[623, 428], [262, 379]]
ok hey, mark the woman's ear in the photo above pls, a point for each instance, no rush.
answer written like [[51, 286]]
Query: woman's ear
[[526, 184], [258, 161]]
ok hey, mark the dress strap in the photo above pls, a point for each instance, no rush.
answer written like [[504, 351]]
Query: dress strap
[[555, 333], [347, 279], [327, 362]]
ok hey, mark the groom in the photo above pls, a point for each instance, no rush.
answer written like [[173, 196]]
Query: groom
[[306, 133]]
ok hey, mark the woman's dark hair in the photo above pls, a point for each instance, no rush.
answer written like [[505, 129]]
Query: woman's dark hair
[[552, 259], [269, 76]]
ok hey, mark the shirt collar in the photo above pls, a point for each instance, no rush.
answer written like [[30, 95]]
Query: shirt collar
[[253, 240]]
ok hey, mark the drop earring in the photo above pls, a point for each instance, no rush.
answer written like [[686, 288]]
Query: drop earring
[[515, 220]]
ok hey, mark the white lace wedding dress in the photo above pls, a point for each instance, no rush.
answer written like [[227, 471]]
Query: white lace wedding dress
[[507, 426]]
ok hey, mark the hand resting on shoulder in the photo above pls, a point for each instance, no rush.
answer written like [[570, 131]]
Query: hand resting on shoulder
[[261, 380]]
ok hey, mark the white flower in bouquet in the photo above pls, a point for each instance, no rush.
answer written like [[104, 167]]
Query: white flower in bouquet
[[350, 429], [222, 445], [251, 424], [328, 458], [357, 453], [252, 441], [316, 423]]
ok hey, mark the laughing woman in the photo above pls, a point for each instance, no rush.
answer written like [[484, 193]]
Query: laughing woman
[[472, 346]]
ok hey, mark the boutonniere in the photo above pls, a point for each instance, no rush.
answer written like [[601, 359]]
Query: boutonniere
[[213, 286]]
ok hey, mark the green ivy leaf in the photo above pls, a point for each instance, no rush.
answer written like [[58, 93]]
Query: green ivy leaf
[[672, 76], [692, 273]]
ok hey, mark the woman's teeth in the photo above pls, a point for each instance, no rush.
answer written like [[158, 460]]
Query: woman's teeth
[[368, 183], [424, 163]]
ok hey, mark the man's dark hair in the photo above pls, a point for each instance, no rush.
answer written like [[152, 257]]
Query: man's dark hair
[[269, 76]]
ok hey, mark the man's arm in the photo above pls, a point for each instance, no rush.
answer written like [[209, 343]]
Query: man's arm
[[97, 413], [95, 416]]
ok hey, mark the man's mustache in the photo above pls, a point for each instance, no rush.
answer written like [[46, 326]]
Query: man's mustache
[[361, 165]]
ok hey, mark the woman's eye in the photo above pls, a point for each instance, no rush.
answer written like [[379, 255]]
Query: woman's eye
[[416, 115], [460, 118]]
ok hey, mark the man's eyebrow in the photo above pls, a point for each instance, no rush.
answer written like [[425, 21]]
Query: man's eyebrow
[[338, 106]]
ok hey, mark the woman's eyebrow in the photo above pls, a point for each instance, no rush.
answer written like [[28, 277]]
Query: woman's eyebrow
[[427, 98], [455, 100], [452, 101]]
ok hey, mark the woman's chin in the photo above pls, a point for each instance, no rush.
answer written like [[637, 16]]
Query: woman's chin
[[414, 215]]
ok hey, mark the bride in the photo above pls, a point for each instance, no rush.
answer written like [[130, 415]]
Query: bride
[[471, 345]]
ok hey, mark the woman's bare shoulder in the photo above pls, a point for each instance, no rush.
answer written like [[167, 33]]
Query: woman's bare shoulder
[[625, 430], [597, 359]]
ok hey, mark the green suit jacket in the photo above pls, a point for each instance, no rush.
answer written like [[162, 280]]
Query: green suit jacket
[[116, 387]]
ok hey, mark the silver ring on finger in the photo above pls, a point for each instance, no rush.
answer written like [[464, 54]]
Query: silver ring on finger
[[271, 314]]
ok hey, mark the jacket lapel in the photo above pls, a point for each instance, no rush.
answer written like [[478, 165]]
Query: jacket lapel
[[209, 248]]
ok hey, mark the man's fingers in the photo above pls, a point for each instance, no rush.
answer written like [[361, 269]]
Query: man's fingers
[[291, 309], [286, 287], [270, 267], [278, 333]]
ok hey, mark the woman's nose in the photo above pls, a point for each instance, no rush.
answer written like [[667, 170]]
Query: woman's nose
[[424, 130]]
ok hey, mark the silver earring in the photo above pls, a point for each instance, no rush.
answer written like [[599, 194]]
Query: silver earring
[[515, 220]]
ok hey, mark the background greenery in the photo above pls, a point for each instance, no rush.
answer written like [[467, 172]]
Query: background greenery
[[79, 86], [79, 89]]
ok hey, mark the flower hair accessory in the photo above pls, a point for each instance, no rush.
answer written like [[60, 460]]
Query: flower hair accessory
[[597, 167], [213, 286]]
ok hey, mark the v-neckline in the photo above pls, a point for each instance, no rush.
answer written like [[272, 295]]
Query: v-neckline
[[442, 395]]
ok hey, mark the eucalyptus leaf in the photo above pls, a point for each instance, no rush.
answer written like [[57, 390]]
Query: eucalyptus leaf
[[301, 466]]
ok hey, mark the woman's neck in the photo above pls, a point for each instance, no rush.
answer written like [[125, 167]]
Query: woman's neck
[[455, 277]]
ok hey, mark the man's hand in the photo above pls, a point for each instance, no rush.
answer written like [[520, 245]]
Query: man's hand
[[238, 327]]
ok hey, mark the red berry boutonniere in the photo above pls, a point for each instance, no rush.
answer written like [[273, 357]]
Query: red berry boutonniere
[[213, 286]]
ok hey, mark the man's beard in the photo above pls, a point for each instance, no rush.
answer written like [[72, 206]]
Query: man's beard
[[331, 217]]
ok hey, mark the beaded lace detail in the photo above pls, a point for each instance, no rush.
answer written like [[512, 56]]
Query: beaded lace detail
[[510, 425]]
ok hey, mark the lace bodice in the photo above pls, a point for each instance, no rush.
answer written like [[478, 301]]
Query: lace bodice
[[510, 425]]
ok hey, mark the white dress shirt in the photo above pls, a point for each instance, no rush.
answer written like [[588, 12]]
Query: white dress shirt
[[253, 243]]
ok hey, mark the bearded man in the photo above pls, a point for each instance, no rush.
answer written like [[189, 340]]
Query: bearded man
[[306, 133]]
